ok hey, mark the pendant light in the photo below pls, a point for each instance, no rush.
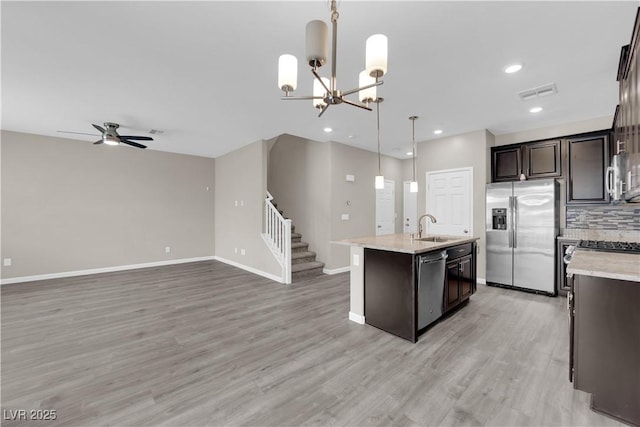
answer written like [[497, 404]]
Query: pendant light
[[379, 182], [413, 186]]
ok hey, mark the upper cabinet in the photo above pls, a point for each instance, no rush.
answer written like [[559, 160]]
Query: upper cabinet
[[627, 119], [506, 163], [540, 159], [587, 158]]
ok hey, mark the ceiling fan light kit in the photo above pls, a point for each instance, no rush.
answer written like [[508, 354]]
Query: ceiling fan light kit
[[325, 91], [110, 136]]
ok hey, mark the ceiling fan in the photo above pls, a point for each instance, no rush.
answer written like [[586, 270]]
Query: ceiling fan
[[110, 136]]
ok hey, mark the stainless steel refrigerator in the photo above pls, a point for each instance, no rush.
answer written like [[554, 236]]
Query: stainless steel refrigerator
[[522, 225]]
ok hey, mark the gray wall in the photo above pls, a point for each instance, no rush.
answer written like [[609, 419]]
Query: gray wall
[[361, 194], [241, 177], [308, 180], [459, 151], [69, 205]]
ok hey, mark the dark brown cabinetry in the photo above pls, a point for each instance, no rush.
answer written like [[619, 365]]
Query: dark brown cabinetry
[[460, 277], [390, 292], [561, 268], [605, 351], [588, 158], [391, 287], [542, 159], [506, 163]]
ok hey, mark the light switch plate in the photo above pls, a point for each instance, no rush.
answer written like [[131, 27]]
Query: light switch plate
[[350, 178], [7, 262], [356, 260], [345, 217]]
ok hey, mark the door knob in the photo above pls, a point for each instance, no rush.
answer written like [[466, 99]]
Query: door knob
[[465, 231], [379, 226]]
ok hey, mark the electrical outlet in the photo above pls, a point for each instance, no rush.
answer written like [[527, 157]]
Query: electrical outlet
[[7, 262], [345, 217], [242, 252], [241, 203], [235, 250], [167, 249], [236, 203]]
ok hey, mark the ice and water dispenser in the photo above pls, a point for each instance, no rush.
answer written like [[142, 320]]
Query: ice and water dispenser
[[499, 218]]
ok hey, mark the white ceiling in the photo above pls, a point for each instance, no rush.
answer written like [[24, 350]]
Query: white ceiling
[[206, 72]]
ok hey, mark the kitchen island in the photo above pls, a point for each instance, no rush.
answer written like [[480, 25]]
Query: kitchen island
[[387, 290], [605, 331]]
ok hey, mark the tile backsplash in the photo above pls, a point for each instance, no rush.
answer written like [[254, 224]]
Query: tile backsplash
[[609, 217]]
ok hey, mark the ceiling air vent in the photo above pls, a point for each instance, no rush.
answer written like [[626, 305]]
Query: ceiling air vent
[[156, 132], [537, 92]]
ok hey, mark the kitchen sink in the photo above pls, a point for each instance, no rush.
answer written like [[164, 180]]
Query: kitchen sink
[[436, 239]]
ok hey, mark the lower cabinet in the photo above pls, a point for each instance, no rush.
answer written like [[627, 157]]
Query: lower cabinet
[[460, 278], [604, 351]]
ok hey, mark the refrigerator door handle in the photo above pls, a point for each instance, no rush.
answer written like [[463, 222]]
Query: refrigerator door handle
[[515, 221], [510, 222]]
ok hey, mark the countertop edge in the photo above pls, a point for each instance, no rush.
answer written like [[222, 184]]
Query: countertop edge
[[429, 246]]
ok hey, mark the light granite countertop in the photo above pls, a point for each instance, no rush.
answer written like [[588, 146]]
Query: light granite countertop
[[620, 266], [403, 243]]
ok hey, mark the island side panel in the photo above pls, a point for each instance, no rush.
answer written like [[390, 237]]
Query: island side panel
[[356, 307], [389, 292]]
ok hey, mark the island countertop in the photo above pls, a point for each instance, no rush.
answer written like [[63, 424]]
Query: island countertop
[[403, 243], [621, 266]]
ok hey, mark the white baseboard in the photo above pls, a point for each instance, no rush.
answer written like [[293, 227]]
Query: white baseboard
[[102, 270], [481, 280], [356, 318], [336, 270], [273, 277]]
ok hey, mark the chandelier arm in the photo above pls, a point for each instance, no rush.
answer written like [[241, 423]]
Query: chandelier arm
[[350, 91], [355, 104], [323, 110], [300, 98], [315, 73]]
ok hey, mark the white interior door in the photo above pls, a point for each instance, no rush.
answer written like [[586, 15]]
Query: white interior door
[[450, 199], [385, 209], [410, 210]]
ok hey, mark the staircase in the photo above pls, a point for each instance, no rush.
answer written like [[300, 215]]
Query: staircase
[[303, 261]]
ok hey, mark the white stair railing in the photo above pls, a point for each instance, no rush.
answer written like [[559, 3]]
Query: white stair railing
[[278, 237]]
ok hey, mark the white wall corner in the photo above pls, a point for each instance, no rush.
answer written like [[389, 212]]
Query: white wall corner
[[356, 318]]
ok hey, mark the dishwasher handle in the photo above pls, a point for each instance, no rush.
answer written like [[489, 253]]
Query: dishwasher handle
[[428, 260]]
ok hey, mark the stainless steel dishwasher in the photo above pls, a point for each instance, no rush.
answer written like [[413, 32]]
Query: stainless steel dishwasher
[[431, 269]]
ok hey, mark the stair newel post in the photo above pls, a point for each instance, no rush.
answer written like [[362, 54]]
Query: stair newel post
[[287, 251]]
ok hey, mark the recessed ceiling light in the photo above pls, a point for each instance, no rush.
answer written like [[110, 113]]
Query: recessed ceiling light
[[535, 110], [437, 131], [514, 68], [409, 153], [328, 130]]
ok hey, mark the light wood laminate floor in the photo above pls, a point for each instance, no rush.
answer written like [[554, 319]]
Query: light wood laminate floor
[[207, 344]]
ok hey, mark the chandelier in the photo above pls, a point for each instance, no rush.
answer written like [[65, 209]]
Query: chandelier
[[325, 91]]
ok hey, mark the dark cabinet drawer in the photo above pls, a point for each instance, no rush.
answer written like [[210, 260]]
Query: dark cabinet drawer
[[459, 251]]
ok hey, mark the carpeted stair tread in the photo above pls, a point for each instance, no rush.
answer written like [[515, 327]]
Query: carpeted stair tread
[[297, 268]]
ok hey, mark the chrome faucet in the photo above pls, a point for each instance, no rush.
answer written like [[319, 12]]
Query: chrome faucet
[[431, 217]]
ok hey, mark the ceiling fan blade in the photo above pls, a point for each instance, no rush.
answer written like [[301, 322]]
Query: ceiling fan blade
[[139, 138], [98, 142], [134, 144], [100, 128], [77, 133], [323, 110]]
